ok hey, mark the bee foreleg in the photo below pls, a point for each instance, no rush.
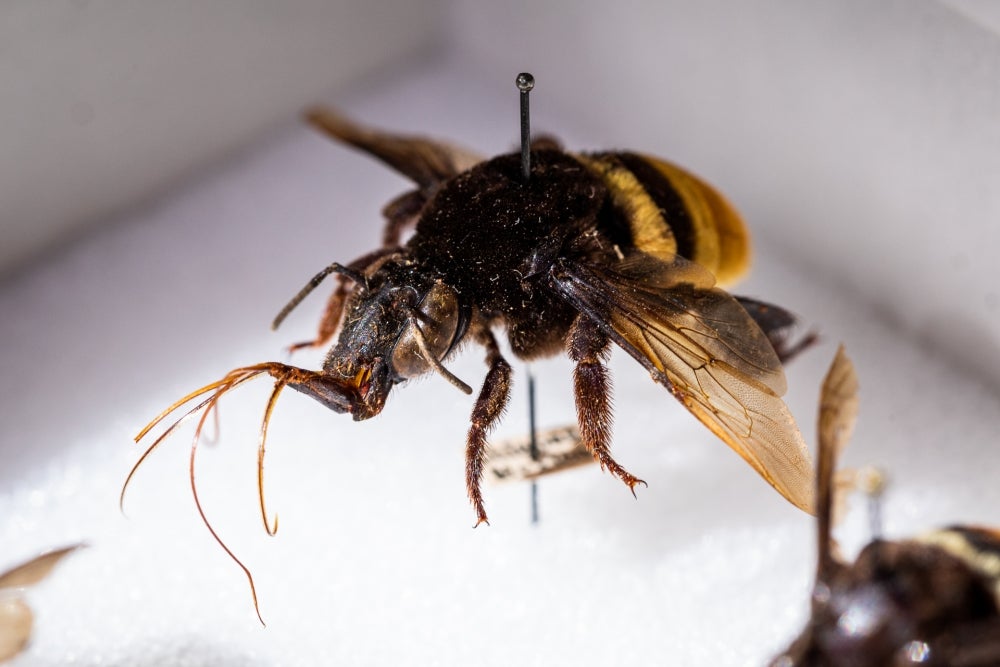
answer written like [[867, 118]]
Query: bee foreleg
[[589, 348], [489, 408]]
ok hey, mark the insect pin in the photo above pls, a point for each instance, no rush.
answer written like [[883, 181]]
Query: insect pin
[[930, 600], [559, 252], [16, 617]]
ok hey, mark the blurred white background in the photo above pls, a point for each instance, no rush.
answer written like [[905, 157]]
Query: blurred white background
[[161, 202]]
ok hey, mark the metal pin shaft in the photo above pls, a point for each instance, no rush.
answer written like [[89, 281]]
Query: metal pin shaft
[[525, 82], [533, 446]]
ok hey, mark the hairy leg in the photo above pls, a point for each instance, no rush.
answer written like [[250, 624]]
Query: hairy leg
[[488, 409], [589, 348]]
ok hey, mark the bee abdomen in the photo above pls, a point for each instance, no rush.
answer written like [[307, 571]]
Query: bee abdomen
[[978, 548], [671, 210]]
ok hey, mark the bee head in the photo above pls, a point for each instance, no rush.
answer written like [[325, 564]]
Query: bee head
[[398, 324]]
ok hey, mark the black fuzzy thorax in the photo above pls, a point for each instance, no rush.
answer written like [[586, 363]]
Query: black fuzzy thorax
[[494, 238]]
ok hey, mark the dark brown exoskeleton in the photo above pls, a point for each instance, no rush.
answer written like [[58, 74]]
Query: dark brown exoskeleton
[[591, 250], [931, 600]]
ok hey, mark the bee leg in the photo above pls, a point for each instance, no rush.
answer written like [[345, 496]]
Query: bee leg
[[401, 213], [589, 348], [489, 407], [778, 324]]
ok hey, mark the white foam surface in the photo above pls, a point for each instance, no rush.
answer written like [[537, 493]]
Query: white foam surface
[[376, 562]]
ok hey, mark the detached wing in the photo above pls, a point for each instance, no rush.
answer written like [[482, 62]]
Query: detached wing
[[701, 344], [838, 411]]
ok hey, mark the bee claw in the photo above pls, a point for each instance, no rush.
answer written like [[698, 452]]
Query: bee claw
[[634, 482]]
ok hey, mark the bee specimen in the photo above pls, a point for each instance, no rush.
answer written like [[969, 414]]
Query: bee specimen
[[930, 600], [561, 252]]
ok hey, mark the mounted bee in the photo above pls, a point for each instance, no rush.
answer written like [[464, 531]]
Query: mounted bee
[[562, 252], [931, 600]]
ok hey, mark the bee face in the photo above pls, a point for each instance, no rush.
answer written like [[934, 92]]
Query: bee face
[[398, 325]]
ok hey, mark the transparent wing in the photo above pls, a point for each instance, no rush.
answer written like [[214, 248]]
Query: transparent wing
[[702, 344]]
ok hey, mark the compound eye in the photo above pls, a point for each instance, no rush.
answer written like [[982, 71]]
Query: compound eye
[[437, 316]]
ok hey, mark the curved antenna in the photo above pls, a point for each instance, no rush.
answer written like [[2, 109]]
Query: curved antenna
[[425, 351], [525, 82], [313, 283]]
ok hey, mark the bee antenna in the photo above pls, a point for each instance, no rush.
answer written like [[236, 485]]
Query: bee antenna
[[313, 283], [429, 357], [525, 82]]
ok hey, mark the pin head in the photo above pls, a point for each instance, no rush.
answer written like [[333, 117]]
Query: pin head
[[525, 82]]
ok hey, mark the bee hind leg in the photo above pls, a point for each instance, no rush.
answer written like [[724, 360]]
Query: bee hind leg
[[487, 411], [589, 348]]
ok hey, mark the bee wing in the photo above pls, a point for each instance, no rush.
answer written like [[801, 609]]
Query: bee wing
[[427, 163], [15, 627], [34, 570], [702, 344], [838, 410], [16, 618]]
